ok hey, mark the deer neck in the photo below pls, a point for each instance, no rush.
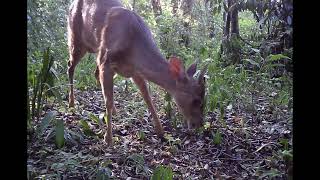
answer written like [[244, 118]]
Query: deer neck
[[155, 68]]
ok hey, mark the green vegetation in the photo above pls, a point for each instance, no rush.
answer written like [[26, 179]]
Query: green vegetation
[[248, 47]]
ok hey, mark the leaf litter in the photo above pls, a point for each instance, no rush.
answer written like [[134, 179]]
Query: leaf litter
[[238, 147]]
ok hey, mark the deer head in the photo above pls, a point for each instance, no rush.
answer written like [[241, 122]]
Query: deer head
[[189, 92]]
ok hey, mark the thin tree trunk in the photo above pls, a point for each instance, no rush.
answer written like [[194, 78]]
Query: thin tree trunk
[[211, 28], [227, 17], [174, 4], [186, 7], [234, 20], [185, 36], [229, 47], [156, 6]]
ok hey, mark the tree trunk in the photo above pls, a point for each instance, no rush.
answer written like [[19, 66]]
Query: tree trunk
[[211, 28], [230, 46], [234, 19], [157, 11], [186, 7], [235, 33], [174, 4], [185, 36], [226, 16], [156, 6]]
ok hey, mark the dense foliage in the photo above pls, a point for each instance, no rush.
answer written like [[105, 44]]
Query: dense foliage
[[246, 43]]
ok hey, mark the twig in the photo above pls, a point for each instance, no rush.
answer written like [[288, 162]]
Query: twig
[[264, 145], [243, 167]]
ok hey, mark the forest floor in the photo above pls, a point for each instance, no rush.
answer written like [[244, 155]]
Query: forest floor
[[240, 145]]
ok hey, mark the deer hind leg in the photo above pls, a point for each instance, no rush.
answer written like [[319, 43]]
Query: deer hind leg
[[96, 73], [106, 81], [145, 94], [76, 53]]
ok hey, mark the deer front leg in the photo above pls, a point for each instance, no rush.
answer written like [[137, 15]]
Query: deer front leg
[[76, 53], [106, 81], [145, 94]]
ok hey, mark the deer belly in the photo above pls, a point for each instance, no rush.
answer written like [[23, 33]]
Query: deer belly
[[90, 41], [123, 69]]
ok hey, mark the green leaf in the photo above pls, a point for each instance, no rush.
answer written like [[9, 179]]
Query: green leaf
[[270, 66], [136, 158], [251, 62], [167, 97], [57, 94], [54, 73], [287, 155], [46, 121], [105, 117], [84, 124], [103, 174], [162, 173], [45, 63], [271, 174], [217, 138], [28, 112], [214, 11], [141, 135], [50, 79], [59, 133], [219, 9], [275, 57], [95, 119], [50, 134], [275, 65], [86, 128], [207, 125], [284, 142], [204, 52], [76, 135], [255, 50]]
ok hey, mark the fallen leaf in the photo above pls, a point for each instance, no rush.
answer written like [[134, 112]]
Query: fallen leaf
[[186, 142], [237, 119], [165, 154], [155, 152]]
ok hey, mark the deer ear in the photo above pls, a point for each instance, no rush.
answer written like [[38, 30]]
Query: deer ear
[[176, 68], [192, 69]]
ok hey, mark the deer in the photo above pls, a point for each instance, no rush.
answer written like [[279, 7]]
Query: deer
[[124, 45]]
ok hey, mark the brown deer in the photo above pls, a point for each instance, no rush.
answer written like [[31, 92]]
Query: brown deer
[[125, 46]]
